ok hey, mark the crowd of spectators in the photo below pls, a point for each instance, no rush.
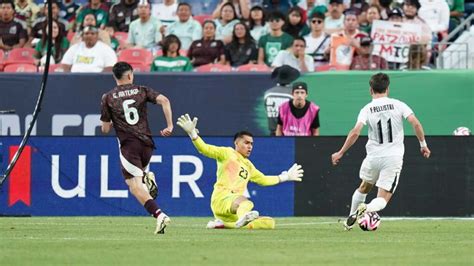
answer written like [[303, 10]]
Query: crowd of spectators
[[299, 33]]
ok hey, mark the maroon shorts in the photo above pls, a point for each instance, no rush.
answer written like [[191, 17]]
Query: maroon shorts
[[134, 157]]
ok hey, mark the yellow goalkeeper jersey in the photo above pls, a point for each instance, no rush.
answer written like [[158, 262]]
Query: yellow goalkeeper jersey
[[234, 171]]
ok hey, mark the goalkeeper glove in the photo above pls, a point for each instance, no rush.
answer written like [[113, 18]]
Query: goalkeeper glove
[[293, 174], [188, 125]]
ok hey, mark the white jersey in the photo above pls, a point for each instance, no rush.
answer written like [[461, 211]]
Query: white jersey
[[384, 118]]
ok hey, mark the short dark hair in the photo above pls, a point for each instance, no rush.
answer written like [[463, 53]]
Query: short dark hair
[[241, 134], [120, 68], [184, 4], [11, 2], [299, 38], [276, 15], [379, 82]]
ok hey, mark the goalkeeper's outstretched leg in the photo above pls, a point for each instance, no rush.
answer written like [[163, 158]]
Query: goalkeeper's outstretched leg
[[239, 215]]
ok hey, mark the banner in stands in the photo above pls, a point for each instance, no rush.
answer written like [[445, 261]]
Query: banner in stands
[[394, 39], [62, 176], [227, 103], [341, 52], [442, 185]]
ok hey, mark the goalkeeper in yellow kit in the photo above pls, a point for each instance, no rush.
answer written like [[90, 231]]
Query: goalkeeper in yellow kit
[[234, 170]]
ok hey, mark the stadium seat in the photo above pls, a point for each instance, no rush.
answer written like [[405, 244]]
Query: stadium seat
[[11, 68], [136, 55], [331, 68], [21, 56], [213, 68], [121, 37], [202, 18], [254, 68], [2, 60], [70, 35], [56, 68], [137, 67]]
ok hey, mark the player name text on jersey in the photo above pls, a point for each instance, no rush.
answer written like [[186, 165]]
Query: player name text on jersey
[[381, 108], [125, 93]]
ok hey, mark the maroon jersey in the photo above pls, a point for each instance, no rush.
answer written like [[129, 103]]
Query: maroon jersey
[[126, 107]]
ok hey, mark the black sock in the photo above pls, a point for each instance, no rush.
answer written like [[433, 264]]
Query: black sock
[[152, 208]]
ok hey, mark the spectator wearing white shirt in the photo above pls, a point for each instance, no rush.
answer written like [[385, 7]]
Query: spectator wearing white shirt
[[165, 12], [225, 23], [90, 55], [436, 14], [257, 24], [317, 41], [186, 28], [410, 8], [144, 32], [335, 21], [295, 57]]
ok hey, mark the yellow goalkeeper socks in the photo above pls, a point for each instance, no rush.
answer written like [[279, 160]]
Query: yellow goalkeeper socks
[[244, 207], [262, 223]]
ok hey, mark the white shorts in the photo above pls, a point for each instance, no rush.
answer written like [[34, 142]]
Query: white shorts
[[384, 172]]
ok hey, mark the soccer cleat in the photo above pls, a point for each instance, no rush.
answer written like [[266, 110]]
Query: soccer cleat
[[150, 183], [350, 221], [215, 224], [246, 219], [161, 222], [361, 211]]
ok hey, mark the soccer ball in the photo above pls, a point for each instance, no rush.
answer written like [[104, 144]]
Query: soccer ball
[[369, 222], [462, 131]]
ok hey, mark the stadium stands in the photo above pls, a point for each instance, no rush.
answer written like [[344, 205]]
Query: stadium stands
[[253, 68], [121, 37], [20, 56], [136, 55], [331, 68], [443, 56], [28, 68], [214, 68]]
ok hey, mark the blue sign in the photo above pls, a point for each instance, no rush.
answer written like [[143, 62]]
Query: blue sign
[[68, 176]]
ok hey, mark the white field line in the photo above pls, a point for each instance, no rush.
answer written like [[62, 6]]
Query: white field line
[[282, 223]]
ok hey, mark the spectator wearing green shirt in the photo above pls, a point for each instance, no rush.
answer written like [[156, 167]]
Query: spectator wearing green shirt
[[144, 32], [456, 12], [269, 45], [96, 7], [171, 61], [59, 47], [186, 28]]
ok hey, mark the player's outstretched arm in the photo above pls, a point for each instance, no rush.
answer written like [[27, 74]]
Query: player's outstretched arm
[[166, 105], [420, 134], [211, 151], [295, 173], [188, 125], [350, 140]]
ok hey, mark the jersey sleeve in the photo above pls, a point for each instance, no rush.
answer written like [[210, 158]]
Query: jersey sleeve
[[405, 109], [259, 178], [362, 118], [151, 95], [211, 151], [105, 112]]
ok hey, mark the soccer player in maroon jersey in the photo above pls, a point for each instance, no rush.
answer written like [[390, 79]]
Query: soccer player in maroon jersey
[[125, 108]]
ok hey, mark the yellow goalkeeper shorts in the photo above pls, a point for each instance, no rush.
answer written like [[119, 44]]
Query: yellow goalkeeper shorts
[[221, 206]]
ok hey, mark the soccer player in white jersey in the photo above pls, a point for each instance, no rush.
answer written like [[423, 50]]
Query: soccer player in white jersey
[[382, 166]]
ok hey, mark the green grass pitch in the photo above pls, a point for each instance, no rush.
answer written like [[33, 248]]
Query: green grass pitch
[[302, 241]]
